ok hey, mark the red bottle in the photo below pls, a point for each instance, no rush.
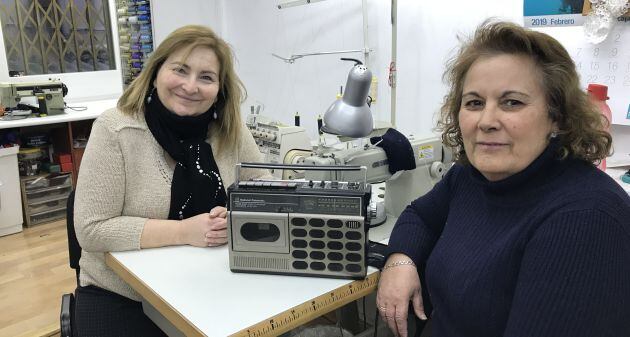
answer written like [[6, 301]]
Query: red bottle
[[598, 93]]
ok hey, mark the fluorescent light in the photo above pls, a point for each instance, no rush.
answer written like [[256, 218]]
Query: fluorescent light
[[293, 3]]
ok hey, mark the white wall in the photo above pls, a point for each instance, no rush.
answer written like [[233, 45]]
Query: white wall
[[258, 28], [426, 36], [169, 15]]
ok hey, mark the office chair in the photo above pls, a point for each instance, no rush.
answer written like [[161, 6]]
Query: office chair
[[74, 251]]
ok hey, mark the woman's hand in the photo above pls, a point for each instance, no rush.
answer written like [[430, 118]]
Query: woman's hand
[[398, 285], [205, 229], [217, 236]]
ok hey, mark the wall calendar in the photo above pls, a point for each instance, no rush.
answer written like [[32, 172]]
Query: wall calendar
[[605, 63]]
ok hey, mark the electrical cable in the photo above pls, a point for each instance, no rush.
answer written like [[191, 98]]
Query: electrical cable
[[76, 108]]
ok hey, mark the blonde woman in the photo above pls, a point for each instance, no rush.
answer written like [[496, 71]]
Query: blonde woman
[[155, 172]]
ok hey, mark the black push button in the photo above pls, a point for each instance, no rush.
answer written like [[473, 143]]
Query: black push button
[[353, 235], [334, 223], [317, 255], [335, 245], [298, 232], [335, 267], [353, 257], [334, 256], [353, 268], [299, 254], [316, 233], [317, 244], [298, 243], [300, 265], [335, 234], [318, 265], [353, 246], [300, 222], [316, 222]]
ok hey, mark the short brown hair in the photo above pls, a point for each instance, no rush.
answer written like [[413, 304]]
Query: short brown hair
[[231, 89], [580, 123]]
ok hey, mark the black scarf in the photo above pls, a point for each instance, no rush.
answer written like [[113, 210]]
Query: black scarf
[[197, 186]]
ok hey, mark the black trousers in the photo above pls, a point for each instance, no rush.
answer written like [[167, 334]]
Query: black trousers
[[99, 312]]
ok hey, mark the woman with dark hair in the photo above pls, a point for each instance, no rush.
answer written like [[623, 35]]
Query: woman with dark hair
[[155, 172], [524, 236]]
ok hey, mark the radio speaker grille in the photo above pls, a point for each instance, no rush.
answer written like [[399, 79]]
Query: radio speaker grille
[[265, 263]]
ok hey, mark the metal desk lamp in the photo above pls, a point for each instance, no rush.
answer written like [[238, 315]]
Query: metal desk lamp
[[351, 116]]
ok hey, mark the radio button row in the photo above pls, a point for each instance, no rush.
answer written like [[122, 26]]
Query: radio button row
[[335, 267], [335, 245], [353, 268], [298, 243], [353, 257], [300, 222], [353, 246], [298, 232], [316, 233], [318, 265], [317, 244], [316, 222], [299, 254], [334, 223], [317, 255], [300, 265], [353, 235], [333, 256], [335, 234]]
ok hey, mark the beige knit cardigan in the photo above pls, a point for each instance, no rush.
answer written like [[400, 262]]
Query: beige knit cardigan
[[125, 179]]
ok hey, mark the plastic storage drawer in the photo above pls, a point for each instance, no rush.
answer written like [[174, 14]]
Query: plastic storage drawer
[[51, 181], [47, 216], [48, 194], [36, 208]]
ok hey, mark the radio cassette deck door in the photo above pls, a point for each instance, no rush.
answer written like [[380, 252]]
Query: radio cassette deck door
[[259, 232]]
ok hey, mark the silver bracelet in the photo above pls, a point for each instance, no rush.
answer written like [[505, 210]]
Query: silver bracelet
[[399, 263]]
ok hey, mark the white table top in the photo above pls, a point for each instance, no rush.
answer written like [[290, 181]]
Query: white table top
[[94, 109], [198, 284]]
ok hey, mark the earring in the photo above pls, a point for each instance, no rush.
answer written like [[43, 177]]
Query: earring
[[150, 96], [214, 115], [553, 134]]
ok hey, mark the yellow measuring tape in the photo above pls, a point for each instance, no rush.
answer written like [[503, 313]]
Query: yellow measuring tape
[[307, 311]]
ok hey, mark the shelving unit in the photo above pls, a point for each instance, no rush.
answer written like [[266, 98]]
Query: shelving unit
[[135, 35]]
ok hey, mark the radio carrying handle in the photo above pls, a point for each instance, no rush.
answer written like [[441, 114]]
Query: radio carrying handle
[[300, 167]]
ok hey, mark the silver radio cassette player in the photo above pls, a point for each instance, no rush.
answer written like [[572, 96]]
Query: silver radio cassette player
[[310, 228]]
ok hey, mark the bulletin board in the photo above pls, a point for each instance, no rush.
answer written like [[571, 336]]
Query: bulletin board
[[605, 63]]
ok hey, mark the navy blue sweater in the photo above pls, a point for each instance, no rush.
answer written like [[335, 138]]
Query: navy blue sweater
[[544, 252]]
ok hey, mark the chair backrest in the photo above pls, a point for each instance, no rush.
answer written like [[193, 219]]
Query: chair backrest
[[74, 249]]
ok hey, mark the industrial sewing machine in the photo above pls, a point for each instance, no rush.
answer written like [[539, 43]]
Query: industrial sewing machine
[[432, 162], [49, 95], [289, 145]]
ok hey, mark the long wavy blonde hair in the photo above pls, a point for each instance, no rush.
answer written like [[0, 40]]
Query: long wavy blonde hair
[[581, 125], [231, 90]]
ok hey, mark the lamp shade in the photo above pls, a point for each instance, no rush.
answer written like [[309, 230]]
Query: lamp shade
[[350, 116]]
